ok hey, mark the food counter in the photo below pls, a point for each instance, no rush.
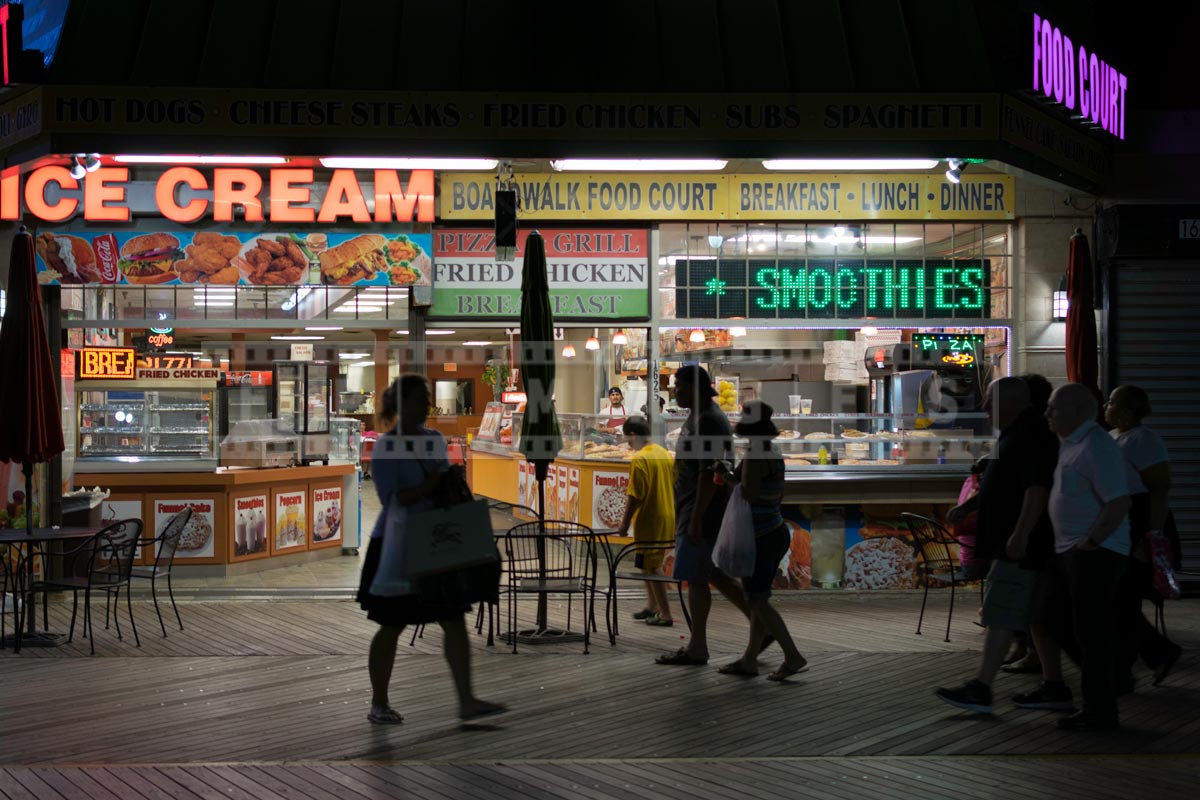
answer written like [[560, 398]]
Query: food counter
[[243, 520], [844, 519]]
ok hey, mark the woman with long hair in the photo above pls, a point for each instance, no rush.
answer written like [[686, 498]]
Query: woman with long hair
[[409, 464]]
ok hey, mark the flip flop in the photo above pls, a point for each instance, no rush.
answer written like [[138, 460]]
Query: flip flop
[[784, 672], [680, 658], [737, 668], [385, 715]]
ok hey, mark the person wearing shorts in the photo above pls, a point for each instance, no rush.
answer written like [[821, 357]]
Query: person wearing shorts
[[650, 508], [705, 440], [761, 475], [1014, 531]]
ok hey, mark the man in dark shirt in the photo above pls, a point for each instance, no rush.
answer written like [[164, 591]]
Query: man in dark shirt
[[1014, 530]]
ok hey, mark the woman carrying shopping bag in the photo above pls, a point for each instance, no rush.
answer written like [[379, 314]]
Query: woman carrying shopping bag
[[761, 475], [410, 464]]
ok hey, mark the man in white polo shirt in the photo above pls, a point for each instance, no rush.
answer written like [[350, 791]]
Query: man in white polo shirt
[[1089, 509]]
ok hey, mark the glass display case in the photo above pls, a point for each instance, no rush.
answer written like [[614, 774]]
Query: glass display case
[[260, 443], [345, 440], [127, 423], [303, 392]]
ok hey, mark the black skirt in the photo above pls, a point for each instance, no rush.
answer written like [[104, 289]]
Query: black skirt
[[396, 611]]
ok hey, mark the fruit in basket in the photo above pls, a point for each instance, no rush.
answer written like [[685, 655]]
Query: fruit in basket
[[727, 396]]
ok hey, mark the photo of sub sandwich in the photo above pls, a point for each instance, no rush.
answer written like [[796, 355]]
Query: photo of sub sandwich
[[150, 258], [71, 257], [355, 260]]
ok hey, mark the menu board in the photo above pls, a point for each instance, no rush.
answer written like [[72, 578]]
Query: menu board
[[608, 498], [291, 522], [552, 493], [197, 538], [327, 514], [573, 495], [215, 258], [250, 525], [489, 427]]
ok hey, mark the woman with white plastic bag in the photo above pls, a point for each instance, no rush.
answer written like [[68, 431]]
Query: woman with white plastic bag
[[735, 548], [410, 463], [760, 478]]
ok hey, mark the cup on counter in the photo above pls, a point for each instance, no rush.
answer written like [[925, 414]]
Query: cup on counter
[[795, 403], [806, 405]]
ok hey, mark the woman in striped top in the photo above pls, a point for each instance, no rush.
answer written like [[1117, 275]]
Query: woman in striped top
[[761, 474]]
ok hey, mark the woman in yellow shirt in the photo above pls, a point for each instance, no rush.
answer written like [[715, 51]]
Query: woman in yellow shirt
[[650, 508]]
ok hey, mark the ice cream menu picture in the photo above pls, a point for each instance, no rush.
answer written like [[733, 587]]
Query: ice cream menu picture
[[608, 498], [197, 538], [291, 523], [327, 514], [250, 525], [564, 509]]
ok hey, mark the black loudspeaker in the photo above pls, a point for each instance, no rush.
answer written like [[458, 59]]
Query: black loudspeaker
[[506, 224]]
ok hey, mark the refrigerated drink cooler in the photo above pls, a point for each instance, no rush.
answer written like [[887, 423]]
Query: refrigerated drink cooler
[[303, 391], [245, 396]]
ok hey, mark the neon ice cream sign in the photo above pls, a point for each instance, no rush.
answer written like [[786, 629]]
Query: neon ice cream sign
[[1081, 81]]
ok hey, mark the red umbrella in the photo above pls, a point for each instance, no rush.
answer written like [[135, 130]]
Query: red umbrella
[[32, 432], [1082, 352]]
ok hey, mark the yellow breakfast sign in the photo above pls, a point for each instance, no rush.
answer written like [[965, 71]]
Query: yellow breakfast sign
[[769, 196]]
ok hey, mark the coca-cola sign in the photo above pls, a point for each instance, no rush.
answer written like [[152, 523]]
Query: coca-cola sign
[[107, 256]]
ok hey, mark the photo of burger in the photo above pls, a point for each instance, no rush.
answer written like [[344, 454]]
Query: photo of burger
[[354, 261], [71, 257], [150, 258]]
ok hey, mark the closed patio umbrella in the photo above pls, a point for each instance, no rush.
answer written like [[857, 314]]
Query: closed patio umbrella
[[32, 429], [540, 436], [1082, 351]]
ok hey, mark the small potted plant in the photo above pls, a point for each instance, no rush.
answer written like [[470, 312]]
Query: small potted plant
[[495, 375]]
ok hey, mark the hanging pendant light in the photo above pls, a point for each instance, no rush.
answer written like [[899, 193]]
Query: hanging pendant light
[[696, 336], [593, 342], [619, 338], [568, 350]]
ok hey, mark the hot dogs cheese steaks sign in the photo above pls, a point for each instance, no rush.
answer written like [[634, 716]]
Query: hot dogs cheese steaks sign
[[593, 274]]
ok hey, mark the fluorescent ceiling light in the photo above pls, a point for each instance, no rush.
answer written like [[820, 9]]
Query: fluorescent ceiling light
[[638, 164], [356, 308], [325, 328], [438, 332], [402, 333], [298, 338], [200, 302], [363, 364], [354, 355], [801, 164], [381, 162], [193, 159], [476, 344]]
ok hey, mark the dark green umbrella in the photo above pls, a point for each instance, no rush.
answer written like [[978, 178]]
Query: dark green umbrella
[[540, 437]]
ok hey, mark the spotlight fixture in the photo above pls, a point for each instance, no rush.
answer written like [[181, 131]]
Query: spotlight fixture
[[955, 171], [92, 162], [77, 169], [593, 342], [696, 336], [568, 350], [619, 338], [715, 240]]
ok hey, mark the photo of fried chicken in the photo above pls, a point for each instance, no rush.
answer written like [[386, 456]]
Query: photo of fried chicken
[[273, 261], [209, 259]]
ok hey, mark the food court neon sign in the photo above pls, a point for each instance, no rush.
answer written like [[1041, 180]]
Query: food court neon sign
[[1078, 79], [103, 195]]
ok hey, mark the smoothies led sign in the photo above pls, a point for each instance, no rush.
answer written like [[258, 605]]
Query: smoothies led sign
[[110, 363], [103, 195], [1081, 81], [832, 288]]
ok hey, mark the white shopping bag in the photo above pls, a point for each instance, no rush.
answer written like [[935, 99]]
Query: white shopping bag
[[735, 548]]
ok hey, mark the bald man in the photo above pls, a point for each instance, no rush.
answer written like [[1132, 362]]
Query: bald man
[[1014, 530], [1089, 508]]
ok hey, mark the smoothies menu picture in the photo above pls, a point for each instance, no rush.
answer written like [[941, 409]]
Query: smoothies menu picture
[[225, 259]]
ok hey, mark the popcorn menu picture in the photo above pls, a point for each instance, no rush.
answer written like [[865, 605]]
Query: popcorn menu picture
[[197, 538], [291, 521]]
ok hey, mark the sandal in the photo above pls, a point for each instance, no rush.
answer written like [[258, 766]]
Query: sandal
[[737, 668], [680, 658], [659, 622], [784, 672], [384, 715]]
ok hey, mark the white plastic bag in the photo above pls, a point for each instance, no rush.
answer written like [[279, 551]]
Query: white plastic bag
[[735, 548]]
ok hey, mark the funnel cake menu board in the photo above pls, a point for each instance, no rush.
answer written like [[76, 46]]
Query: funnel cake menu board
[[198, 540]]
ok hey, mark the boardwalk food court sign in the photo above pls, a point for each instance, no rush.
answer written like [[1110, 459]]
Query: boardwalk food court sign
[[774, 196], [1080, 80], [593, 274]]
